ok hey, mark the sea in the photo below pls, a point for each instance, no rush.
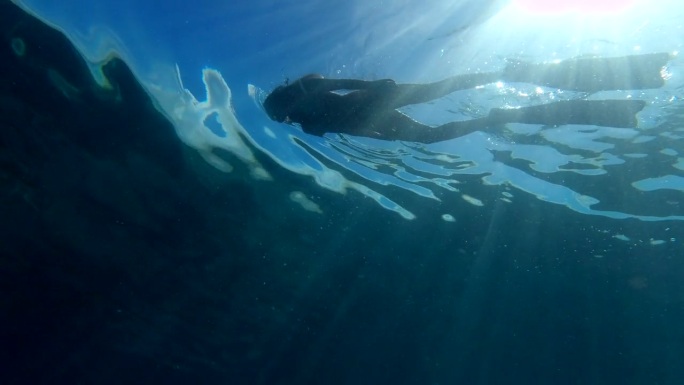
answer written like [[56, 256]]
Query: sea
[[157, 228]]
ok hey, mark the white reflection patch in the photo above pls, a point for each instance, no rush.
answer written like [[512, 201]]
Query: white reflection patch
[[304, 201], [471, 200], [680, 164], [667, 182], [448, 218]]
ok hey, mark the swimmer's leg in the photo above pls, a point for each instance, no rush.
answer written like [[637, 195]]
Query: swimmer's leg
[[390, 125], [393, 125], [609, 113]]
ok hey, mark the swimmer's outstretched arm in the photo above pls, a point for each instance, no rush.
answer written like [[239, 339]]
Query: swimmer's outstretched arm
[[586, 74], [593, 74]]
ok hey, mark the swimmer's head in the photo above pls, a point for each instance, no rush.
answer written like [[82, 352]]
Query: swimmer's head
[[282, 100], [278, 104]]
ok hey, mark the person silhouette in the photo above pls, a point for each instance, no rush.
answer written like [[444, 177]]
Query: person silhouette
[[369, 108]]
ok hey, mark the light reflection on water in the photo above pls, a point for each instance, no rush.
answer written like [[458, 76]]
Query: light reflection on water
[[561, 165], [370, 166], [588, 151]]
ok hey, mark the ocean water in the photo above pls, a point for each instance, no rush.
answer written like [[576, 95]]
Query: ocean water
[[158, 228]]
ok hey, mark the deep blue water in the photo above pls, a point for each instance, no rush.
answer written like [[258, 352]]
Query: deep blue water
[[137, 246]]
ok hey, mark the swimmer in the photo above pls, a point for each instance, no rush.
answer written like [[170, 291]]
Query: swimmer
[[369, 108]]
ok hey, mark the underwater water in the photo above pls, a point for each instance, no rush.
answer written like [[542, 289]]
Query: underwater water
[[157, 227]]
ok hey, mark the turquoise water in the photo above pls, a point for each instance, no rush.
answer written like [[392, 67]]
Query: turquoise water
[[159, 228]]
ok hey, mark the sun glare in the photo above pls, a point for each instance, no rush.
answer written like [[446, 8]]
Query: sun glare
[[578, 27], [585, 7]]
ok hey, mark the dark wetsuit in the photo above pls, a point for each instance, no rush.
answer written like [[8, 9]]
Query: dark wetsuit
[[365, 108], [369, 108]]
